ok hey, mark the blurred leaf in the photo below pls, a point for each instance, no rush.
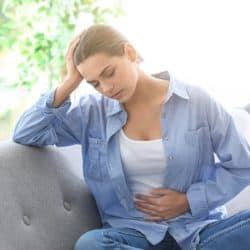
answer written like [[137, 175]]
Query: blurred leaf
[[41, 30]]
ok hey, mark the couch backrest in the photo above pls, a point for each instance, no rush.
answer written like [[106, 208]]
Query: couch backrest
[[44, 202]]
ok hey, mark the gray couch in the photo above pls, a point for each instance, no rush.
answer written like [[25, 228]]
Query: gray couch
[[45, 204]]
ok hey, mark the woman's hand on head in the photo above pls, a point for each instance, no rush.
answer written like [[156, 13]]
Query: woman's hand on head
[[73, 76], [72, 79]]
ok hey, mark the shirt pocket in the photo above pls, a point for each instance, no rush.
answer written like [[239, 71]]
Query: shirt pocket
[[192, 147], [199, 151], [96, 168]]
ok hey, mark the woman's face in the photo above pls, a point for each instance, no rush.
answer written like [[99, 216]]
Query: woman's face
[[110, 75]]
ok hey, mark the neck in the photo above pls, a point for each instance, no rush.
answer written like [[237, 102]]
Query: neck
[[149, 91]]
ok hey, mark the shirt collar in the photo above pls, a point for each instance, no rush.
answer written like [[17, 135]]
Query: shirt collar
[[176, 87], [114, 107]]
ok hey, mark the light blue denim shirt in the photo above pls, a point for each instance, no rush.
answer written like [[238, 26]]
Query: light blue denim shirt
[[194, 128]]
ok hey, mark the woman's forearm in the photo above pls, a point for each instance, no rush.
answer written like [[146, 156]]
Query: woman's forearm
[[63, 91]]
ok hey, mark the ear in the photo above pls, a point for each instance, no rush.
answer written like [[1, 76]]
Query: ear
[[130, 52]]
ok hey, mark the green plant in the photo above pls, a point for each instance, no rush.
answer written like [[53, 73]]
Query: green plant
[[40, 30]]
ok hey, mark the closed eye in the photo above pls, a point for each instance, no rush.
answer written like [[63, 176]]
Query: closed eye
[[107, 74], [110, 73]]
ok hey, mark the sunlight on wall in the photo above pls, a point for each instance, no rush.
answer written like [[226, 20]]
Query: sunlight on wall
[[203, 42]]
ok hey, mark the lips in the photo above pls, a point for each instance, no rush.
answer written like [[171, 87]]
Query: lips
[[116, 94]]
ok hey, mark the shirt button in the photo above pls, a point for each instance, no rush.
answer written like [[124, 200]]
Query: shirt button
[[166, 138], [66, 205], [170, 157], [26, 220]]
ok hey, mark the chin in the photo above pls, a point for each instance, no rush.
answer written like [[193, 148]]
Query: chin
[[122, 100], [125, 99]]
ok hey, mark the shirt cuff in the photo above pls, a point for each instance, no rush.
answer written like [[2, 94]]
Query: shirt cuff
[[46, 100], [196, 196]]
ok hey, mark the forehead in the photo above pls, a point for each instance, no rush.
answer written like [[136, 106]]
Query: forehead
[[92, 66]]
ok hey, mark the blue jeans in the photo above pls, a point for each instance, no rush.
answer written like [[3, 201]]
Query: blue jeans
[[232, 233], [109, 238]]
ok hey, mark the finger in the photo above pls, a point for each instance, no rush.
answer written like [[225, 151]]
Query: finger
[[159, 191], [148, 211], [72, 46], [146, 198], [145, 205], [69, 46], [76, 41]]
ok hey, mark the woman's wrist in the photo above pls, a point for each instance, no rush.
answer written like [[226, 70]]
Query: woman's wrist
[[63, 91]]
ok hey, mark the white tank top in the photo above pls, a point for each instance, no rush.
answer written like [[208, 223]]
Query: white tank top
[[143, 162]]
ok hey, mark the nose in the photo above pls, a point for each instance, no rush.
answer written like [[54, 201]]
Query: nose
[[107, 88]]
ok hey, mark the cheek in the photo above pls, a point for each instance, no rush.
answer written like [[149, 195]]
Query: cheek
[[130, 75]]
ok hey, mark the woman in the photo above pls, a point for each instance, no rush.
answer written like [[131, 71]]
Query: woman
[[148, 144]]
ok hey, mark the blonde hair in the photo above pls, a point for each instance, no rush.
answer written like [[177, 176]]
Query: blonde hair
[[100, 38]]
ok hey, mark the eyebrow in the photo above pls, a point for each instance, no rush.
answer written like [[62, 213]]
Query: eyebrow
[[103, 71]]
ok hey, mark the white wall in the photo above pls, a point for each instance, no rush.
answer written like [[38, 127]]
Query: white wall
[[205, 42]]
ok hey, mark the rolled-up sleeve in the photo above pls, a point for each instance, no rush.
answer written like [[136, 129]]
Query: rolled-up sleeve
[[43, 125], [232, 173]]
